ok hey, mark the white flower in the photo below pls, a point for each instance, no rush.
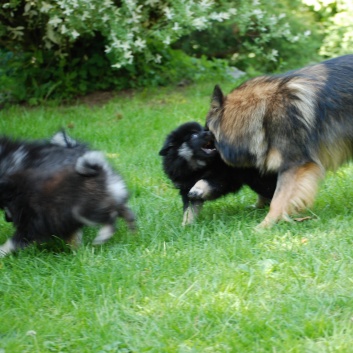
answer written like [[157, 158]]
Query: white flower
[[169, 13], [140, 43], [166, 40], [117, 66], [128, 54], [85, 15], [151, 2], [135, 18], [232, 11], [158, 59], [220, 17], [63, 29], [199, 23], [255, 3], [55, 21], [107, 3], [307, 33], [295, 39], [273, 20], [130, 4], [68, 11], [107, 49], [282, 15], [188, 12], [75, 34], [206, 3], [272, 56], [176, 27], [258, 13], [45, 7], [105, 18], [125, 46]]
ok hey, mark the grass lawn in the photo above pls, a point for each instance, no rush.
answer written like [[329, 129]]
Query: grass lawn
[[215, 286]]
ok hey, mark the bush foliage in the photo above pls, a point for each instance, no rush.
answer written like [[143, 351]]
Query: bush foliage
[[64, 48]]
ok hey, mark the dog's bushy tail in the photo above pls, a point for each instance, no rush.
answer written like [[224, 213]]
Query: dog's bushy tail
[[91, 163]]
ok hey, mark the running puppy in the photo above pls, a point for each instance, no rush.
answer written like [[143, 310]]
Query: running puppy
[[298, 124], [192, 163], [57, 187]]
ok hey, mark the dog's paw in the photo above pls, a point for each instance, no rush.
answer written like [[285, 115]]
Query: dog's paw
[[200, 191], [105, 233]]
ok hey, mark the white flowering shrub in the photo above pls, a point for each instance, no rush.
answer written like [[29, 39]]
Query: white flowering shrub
[[130, 28], [265, 35], [81, 45], [338, 26]]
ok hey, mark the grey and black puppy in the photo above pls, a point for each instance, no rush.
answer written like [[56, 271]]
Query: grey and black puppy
[[54, 188]]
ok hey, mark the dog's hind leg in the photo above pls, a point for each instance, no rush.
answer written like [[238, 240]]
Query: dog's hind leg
[[296, 189]]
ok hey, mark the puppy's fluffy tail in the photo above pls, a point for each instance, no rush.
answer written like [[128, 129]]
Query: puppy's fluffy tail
[[91, 163]]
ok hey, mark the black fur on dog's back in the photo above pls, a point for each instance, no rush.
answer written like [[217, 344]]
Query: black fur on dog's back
[[191, 169]]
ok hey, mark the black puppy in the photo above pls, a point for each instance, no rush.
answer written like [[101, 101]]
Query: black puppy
[[55, 188], [192, 163]]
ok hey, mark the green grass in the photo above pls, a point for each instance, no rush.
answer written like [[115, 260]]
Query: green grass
[[215, 286]]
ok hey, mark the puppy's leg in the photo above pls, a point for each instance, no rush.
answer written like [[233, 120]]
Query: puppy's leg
[[201, 190], [191, 212], [8, 247], [296, 189], [76, 240], [129, 216], [104, 234], [13, 244]]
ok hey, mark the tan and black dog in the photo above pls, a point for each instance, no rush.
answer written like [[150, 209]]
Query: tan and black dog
[[298, 124]]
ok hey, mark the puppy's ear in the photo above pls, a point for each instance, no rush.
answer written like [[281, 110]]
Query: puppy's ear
[[217, 98], [165, 149]]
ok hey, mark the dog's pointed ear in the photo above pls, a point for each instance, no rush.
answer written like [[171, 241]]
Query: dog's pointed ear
[[217, 98], [165, 149]]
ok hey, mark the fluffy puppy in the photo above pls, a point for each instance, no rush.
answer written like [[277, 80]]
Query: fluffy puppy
[[55, 188], [192, 163]]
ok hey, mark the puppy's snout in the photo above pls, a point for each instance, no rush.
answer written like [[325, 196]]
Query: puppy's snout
[[208, 135]]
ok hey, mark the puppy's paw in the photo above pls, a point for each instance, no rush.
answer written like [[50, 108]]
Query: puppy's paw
[[200, 191], [7, 248], [105, 233]]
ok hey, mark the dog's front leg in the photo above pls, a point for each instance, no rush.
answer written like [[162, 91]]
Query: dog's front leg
[[296, 189], [191, 208], [191, 212], [202, 190]]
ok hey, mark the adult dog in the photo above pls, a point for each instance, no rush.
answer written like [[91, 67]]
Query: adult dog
[[298, 124], [192, 163], [55, 188]]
